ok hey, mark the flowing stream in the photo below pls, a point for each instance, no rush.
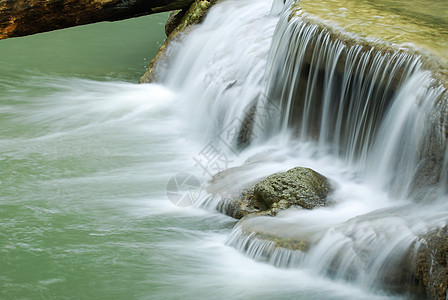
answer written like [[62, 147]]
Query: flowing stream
[[89, 160]]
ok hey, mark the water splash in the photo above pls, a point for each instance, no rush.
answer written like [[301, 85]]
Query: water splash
[[367, 105]]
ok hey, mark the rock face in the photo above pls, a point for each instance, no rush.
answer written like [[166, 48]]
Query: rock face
[[309, 88], [25, 17], [431, 265], [195, 14], [301, 187]]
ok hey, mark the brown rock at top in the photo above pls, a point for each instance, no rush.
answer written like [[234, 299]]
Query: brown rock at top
[[25, 17]]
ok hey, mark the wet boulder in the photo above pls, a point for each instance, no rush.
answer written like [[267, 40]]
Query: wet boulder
[[238, 204], [300, 187], [174, 20], [431, 265], [25, 17], [245, 134]]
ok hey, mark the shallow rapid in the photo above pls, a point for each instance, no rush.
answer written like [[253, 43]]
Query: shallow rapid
[[87, 165]]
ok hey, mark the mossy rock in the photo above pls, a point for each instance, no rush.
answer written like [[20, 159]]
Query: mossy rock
[[195, 14], [174, 20], [423, 269], [431, 265], [301, 187], [271, 240]]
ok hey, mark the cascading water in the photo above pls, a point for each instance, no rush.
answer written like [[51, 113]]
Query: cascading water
[[221, 79], [359, 115], [355, 115], [369, 107]]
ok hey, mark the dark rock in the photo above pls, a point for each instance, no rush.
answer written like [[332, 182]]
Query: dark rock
[[238, 205], [25, 17], [431, 265], [173, 21]]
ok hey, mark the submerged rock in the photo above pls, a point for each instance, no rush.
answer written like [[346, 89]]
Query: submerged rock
[[245, 134], [423, 269], [251, 237], [25, 17], [301, 187]]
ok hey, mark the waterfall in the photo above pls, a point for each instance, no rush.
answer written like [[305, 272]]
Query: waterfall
[[367, 116], [219, 68], [367, 105]]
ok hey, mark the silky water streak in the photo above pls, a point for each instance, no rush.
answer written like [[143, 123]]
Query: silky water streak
[[85, 167]]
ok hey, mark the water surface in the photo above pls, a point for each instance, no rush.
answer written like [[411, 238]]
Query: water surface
[[86, 155], [421, 25]]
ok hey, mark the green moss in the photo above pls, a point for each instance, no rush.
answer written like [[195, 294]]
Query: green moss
[[388, 26], [394, 22], [299, 186]]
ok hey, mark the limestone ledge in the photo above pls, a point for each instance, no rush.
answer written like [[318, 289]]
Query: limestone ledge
[[432, 152], [382, 29], [377, 38]]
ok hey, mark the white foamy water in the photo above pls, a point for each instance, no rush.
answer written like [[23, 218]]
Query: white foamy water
[[99, 155]]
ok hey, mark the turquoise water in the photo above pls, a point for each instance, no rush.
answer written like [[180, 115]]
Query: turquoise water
[[82, 207], [108, 50]]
